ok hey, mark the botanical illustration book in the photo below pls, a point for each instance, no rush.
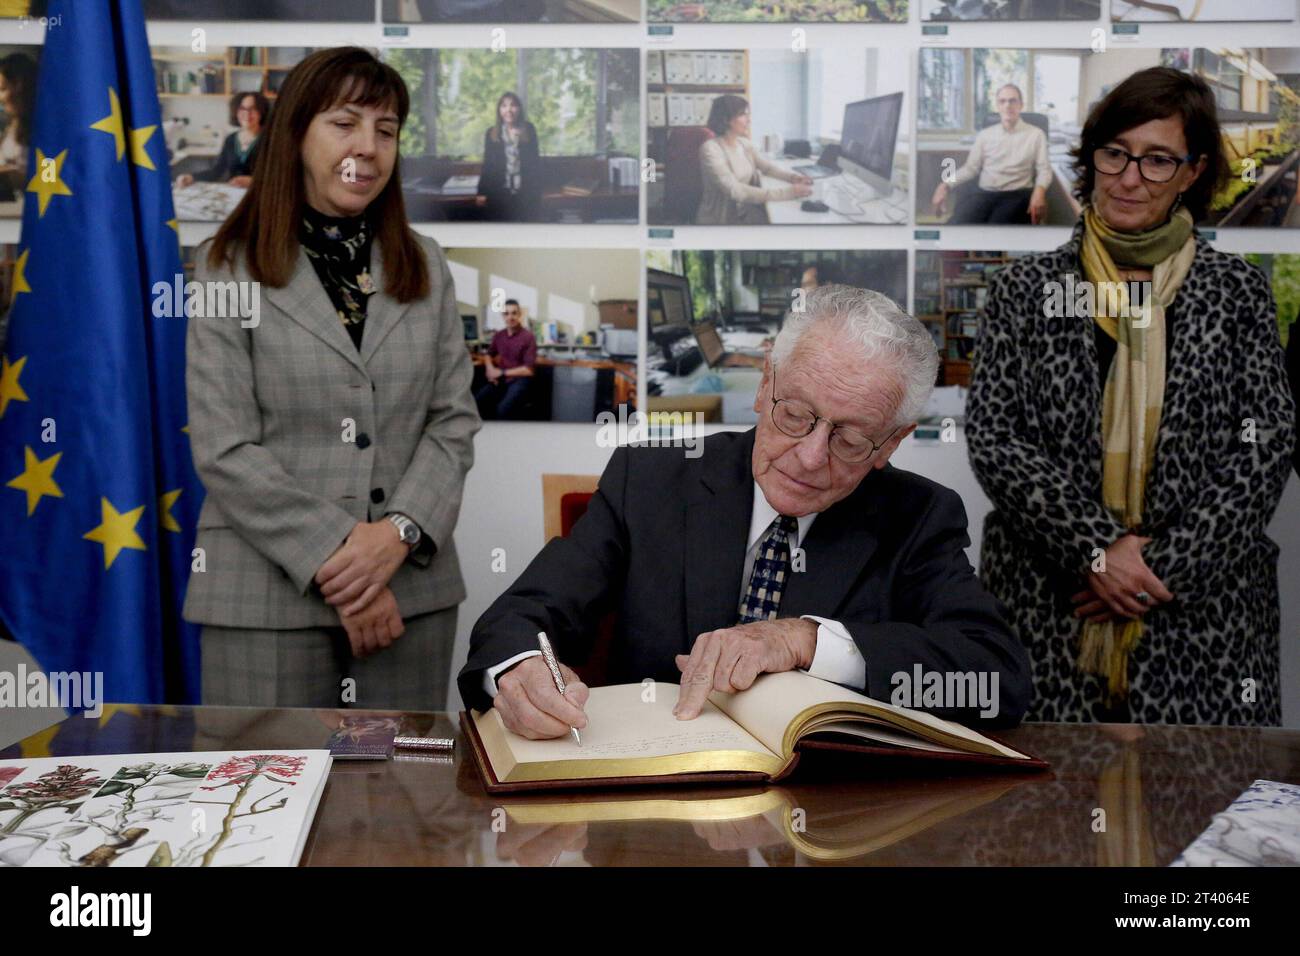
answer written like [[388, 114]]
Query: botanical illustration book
[[231, 808]]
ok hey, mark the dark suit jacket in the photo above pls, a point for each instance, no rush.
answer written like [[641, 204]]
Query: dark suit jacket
[[502, 205], [663, 543]]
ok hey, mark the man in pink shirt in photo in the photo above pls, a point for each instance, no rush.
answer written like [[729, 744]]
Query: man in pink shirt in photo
[[508, 367]]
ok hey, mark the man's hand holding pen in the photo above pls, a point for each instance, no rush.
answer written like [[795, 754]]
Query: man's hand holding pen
[[530, 705]]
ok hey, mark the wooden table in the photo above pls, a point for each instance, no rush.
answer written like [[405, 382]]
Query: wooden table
[[1159, 787]]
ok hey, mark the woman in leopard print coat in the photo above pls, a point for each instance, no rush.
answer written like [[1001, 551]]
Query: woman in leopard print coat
[[1222, 458]]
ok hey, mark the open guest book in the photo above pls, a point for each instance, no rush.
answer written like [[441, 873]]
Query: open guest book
[[757, 735]]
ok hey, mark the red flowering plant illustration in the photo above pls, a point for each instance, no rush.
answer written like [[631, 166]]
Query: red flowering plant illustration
[[64, 787], [7, 774], [243, 772]]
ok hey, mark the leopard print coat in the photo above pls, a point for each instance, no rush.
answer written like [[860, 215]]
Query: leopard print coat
[[1034, 434]]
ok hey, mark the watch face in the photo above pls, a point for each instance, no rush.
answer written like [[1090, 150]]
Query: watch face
[[410, 534]]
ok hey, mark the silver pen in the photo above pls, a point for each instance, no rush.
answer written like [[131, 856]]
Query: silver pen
[[548, 655]]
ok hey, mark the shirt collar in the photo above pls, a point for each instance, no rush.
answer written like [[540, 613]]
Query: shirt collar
[[763, 514]]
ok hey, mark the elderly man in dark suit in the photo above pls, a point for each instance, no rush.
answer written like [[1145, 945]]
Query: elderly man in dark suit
[[792, 545]]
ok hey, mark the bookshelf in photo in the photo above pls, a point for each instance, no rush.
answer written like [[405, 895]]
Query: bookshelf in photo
[[680, 88], [951, 289], [224, 72]]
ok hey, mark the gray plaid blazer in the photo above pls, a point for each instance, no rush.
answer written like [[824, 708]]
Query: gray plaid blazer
[[269, 409]]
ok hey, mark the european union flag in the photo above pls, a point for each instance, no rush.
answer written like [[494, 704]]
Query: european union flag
[[98, 496]]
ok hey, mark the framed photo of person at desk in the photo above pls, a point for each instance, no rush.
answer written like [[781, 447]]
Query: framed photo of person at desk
[[790, 11], [521, 135], [215, 106], [18, 69], [511, 11], [755, 137], [995, 127], [752, 137], [948, 10], [552, 332], [711, 316]]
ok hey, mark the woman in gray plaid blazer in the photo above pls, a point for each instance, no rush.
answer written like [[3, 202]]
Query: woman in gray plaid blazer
[[330, 415]]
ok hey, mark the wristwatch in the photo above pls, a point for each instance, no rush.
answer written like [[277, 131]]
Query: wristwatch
[[406, 528]]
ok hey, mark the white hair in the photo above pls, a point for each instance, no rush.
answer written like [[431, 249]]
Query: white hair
[[882, 333]]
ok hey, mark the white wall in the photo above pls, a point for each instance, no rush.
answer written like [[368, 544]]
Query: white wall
[[503, 509]]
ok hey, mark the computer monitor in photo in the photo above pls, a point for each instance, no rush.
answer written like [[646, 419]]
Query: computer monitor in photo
[[668, 299], [869, 137], [710, 343]]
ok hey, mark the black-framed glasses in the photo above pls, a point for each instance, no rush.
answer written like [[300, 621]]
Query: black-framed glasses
[[796, 420], [1153, 167]]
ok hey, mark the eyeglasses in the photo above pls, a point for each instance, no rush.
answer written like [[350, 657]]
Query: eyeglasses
[[1153, 167], [797, 420]]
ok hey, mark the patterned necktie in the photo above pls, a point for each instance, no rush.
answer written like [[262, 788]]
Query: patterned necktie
[[771, 567]]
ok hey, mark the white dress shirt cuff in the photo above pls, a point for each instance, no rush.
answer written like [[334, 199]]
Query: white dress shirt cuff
[[837, 658], [490, 675]]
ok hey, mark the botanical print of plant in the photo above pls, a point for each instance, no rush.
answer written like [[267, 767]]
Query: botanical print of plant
[[26, 809], [8, 774], [248, 775], [126, 815]]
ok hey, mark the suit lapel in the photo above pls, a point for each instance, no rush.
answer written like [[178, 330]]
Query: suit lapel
[[839, 545], [382, 311], [717, 525], [305, 301]]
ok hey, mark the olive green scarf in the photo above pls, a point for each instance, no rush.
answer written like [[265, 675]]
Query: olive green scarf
[[1133, 397]]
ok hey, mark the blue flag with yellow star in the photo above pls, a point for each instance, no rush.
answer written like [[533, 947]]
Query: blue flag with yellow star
[[98, 496]]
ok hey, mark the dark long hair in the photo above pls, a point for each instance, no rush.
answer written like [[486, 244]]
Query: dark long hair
[[1159, 92], [266, 220], [521, 121]]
